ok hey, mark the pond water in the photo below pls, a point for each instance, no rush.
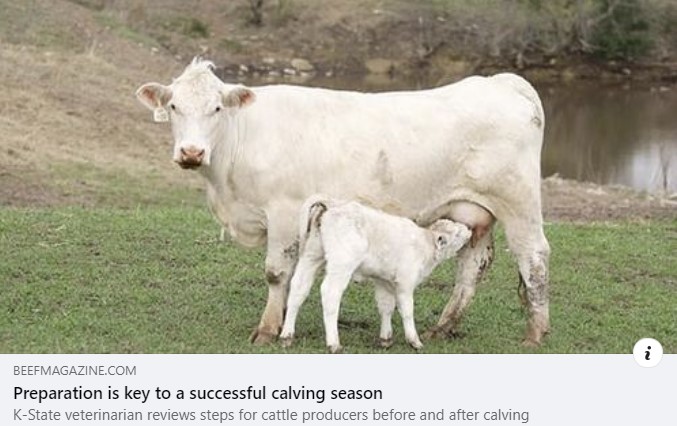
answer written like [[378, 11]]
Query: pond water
[[612, 135], [609, 135]]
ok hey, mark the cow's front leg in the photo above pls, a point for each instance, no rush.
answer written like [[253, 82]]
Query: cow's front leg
[[281, 257], [471, 265]]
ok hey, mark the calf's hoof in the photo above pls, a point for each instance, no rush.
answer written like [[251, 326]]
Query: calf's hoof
[[336, 349], [262, 337], [384, 343], [416, 344], [286, 341]]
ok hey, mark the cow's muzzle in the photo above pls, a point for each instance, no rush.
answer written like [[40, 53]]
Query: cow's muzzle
[[190, 158]]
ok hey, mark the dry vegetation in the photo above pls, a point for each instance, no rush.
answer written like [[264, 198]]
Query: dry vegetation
[[427, 36]]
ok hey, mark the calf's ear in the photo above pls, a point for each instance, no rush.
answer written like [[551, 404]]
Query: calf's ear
[[238, 97], [154, 95], [441, 240]]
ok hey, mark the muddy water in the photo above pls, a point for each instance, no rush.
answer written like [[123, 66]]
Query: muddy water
[[603, 134], [612, 135]]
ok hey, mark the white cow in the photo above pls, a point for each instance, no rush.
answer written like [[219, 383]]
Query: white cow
[[469, 151], [355, 242]]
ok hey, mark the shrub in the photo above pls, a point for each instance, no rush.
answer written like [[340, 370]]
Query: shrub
[[623, 32]]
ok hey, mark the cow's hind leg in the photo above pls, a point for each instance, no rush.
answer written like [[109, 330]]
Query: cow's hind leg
[[529, 245], [522, 291], [473, 261]]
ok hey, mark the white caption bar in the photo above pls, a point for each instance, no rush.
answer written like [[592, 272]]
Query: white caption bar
[[322, 390]]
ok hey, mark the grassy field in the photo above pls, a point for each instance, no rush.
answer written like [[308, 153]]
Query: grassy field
[[110, 277], [157, 280]]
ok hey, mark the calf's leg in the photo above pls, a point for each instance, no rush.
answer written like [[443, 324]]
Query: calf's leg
[[334, 284], [405, 305], [299, 288], [385, 302]]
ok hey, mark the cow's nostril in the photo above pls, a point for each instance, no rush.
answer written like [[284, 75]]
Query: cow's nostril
[[191, 157], [192, 152]]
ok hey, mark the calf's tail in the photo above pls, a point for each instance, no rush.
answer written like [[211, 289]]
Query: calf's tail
[[315, 212], [310, 219]]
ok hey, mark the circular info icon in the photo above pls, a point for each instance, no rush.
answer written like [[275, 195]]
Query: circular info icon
[[648, 352]]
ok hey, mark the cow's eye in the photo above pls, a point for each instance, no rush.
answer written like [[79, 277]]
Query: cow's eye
[[218, 108]]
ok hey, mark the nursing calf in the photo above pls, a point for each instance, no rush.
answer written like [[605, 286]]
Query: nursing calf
[[355, 242]]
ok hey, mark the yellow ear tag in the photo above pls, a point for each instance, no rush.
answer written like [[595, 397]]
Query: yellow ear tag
[[160, 115]]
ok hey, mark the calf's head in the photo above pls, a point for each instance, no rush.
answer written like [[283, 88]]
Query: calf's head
[[449, 237], [199, 106]]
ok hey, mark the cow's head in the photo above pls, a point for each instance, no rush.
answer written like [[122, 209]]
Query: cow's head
[[449, 237], [196, 104]]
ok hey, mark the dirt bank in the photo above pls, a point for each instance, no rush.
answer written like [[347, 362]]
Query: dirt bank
[[568, 200]]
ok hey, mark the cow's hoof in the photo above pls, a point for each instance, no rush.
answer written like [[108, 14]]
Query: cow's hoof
[[533, 340], [286, 341], [262, 337], [537, 329], [384, 343], [529, 343], [338, 349], [417, 345]]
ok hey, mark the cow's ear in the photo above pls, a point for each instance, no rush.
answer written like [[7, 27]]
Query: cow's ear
[[154, 95], [239, 97]]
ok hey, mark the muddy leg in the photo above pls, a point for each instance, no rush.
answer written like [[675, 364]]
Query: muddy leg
[[280, 262], [471, 266], [534, 267], [530, 247], [522, 291]]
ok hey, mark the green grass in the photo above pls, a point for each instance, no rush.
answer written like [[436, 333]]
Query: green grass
[[156, 280], [117, 186]]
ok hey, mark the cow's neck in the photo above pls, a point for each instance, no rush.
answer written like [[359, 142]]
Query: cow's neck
[[227, 150], [219, 179]]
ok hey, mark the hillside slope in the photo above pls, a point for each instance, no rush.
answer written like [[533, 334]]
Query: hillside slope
[[71, 128]]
